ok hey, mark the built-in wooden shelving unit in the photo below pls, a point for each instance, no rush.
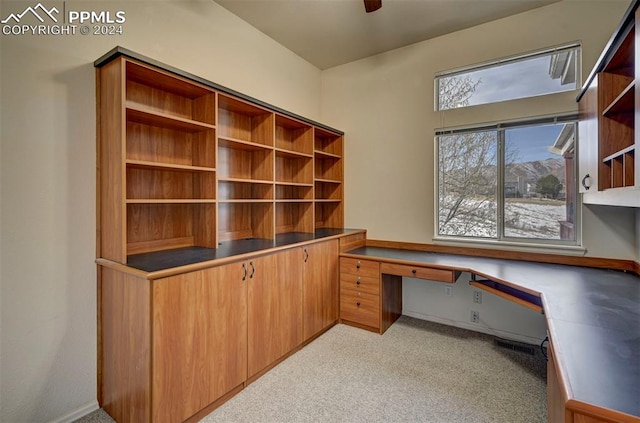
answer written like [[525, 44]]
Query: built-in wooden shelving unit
[[186, 163]]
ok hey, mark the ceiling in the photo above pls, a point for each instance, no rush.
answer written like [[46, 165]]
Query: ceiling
[[329, 33]]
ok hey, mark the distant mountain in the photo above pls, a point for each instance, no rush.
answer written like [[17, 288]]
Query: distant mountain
[[532, 171]]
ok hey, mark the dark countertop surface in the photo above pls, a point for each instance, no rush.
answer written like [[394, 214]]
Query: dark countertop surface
[[593, 317], [162, 260]]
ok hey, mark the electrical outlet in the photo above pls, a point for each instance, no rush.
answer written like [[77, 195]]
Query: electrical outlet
[[475, 316], [448, 290], [477, 297]]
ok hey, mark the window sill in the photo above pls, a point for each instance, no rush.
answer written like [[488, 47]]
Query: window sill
[[572, 250]]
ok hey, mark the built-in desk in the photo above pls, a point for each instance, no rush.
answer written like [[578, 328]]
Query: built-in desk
[[593, 317]]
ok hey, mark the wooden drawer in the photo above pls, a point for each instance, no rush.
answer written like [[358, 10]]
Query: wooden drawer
[[359, 267], [360, 307], [360, 283], [429, 273]]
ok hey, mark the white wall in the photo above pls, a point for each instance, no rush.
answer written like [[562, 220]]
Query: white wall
[[48, 276], [384, 104]]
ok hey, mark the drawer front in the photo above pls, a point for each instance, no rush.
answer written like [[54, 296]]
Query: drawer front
[[360, 283], [359, 267], [429, 273], [360, 307]]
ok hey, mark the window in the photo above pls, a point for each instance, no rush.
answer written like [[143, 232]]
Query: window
[[543, 72], [508, 182]]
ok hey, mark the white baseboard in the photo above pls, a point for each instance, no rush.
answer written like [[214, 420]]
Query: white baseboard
[[82, 411], [475, 328]]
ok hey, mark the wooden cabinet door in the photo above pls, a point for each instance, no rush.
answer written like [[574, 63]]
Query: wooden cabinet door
[[199, 348], [320, 286], [274, 307]]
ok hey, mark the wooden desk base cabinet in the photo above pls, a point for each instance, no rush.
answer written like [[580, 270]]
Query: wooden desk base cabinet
[[371, 292]]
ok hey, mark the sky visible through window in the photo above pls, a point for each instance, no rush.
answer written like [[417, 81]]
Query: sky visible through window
[[532, 142], [519, 78]]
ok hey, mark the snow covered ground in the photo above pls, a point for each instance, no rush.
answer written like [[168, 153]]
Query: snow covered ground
[[524, 218]]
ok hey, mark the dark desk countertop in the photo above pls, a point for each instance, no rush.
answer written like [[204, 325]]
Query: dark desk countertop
[[167, 259], [593, 316]]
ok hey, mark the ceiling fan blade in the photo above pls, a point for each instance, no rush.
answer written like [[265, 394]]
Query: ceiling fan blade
[[372, 5]]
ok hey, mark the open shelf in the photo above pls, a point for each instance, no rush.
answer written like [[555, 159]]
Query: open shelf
[[227, 142], [236, 191], [294, 217], [168, 95], [244, 220], [161, 226], [328, 169], [169, 184], [294, 192], [294, 136], [245, 164], [243, 121], [166, 166], [294, 169], [624, 102], [507, 292], [328, 190], [328, 143], [167, 146], [329, 214], [182, 164]]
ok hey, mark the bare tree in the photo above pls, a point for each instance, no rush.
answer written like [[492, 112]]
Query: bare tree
[[467, 169]]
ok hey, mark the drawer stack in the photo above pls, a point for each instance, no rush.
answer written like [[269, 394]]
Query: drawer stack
[[360, 292]]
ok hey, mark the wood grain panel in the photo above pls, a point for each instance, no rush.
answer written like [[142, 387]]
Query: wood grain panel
[[351, 242], [556, 411], [327, 142], [360, 307], [294, 217], [125, 371], [329, 215], [360, 283], [391, 301], [357, 267], [428, 273], [111, 171], [293, 135], [241, 120], [274, 307], [199, 340], [297, 170], [164, 80], [321, 287]]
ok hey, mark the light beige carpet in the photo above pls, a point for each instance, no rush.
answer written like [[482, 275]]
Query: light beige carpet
[[416, 372]]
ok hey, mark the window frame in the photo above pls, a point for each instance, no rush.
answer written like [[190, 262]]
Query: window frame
[[507, 60], [500, 238]]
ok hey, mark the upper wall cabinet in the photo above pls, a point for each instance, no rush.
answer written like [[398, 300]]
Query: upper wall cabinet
[[186, 163], [609, 108]]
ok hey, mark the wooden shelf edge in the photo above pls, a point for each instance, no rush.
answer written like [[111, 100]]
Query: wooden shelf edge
[[168, 201], [151, 114], [620, 99], [168, 166], [246, 181], [324, 154], [619, 153], [244, 201], [327, 181], [328, 200], [293, 154], [287, 200], [506, 296], [229, 142], [293, 184]]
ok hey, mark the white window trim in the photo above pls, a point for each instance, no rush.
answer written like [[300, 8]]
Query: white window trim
[[516, 244], [505, 60]]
